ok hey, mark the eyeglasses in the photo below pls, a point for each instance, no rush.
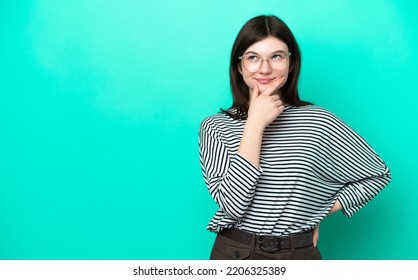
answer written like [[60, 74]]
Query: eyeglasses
[[252, 62]]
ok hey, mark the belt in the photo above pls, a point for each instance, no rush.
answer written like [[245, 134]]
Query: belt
[[270, 243]]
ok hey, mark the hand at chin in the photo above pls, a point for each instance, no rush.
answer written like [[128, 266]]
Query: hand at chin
[[263, 86]]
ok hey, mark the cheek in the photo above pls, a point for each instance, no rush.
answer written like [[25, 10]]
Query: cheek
[[248, 79], [249, 82], [283, 76]]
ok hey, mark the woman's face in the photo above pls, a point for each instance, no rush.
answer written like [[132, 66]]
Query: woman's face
[[272, 68]]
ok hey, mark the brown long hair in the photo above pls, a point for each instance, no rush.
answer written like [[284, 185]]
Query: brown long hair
[[257, 29]]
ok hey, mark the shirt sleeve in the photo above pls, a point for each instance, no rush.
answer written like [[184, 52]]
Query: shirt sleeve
[[230, 178], [356, 166]]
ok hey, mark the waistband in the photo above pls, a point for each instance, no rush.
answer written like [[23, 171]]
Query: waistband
[[270, 243]]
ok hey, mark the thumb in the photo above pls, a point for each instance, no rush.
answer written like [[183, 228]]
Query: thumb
[[255, 92]]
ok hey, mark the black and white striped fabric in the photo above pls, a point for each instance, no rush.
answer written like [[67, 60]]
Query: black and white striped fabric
[[309, 159]]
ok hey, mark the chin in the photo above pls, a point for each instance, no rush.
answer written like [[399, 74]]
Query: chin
[[262, 87]]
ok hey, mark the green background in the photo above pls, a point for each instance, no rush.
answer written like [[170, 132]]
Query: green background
[[100, 106]]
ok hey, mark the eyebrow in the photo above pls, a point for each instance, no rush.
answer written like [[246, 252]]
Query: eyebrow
[[252, 52]]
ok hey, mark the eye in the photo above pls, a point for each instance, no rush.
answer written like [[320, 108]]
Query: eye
[[278, 56], [253, 58]]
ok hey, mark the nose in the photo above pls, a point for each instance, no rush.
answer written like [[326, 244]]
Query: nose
[[265, 66]]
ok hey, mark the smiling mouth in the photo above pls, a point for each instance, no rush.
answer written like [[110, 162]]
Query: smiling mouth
[[264, 81]]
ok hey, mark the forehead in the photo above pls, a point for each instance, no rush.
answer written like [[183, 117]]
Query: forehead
[[268, 45]]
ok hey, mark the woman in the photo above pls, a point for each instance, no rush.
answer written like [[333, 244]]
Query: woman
[[276, 165]]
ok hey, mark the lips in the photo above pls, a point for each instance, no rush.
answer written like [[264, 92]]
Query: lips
[[264, 81]]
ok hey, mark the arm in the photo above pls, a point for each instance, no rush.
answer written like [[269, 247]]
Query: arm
[[356, 166], [232, 178], [335, 208], [264, 108]]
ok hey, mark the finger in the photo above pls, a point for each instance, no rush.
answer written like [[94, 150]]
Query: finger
[[275, 97], [279, 105], [256, 91], [315, 236]]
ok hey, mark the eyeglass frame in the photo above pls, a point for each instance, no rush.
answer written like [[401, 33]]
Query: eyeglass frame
[[287, 55]]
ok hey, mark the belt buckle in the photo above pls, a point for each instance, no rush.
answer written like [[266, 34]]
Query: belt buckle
[[269, 243]]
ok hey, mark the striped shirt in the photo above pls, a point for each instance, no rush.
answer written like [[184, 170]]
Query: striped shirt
[[309, 158]]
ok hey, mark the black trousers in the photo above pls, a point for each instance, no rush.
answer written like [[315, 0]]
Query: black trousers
[[225, 248]]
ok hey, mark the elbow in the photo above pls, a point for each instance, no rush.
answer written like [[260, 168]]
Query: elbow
[[232, 200], [235, 214], [232, 208], [387, 175]]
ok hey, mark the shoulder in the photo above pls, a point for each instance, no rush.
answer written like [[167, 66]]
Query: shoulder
[[217, 118], [331, 123], [312, 112], [317, 116], [217, 121], [312, 109]]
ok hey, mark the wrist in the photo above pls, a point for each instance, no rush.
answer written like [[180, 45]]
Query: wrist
[[254, 126]]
